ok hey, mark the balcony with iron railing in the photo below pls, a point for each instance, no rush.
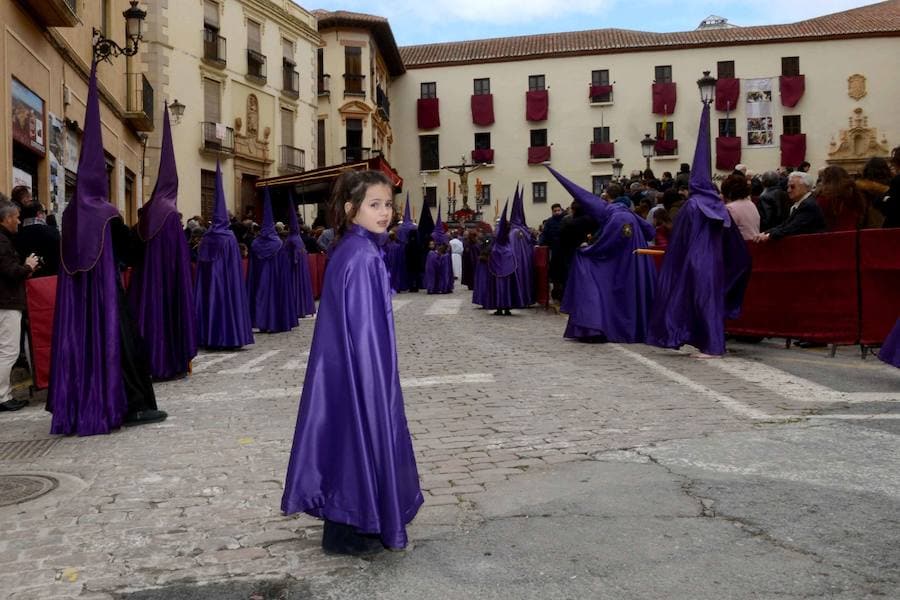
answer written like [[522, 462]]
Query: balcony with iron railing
[[323, 85], [214, 47], [382, 103], [290, 81], [256, 67], [217, 138], [139, 102], [292, 159], [350, 154], [55, 13], [354, 85]]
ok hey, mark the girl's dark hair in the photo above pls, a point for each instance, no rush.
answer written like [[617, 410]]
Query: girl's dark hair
[[735, 187], [837, 185], [351, 186], [877, 169]]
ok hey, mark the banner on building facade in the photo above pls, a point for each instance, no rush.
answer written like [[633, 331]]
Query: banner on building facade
[[27, 118], [758, 98]]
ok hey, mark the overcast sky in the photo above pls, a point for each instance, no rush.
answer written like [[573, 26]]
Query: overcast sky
[[428, 21]]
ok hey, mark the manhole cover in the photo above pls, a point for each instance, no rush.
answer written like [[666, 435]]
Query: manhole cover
[[15, 489]]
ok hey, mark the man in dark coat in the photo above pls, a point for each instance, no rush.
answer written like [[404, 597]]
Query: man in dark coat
[[574, 231], [804, 216], [38, 238]]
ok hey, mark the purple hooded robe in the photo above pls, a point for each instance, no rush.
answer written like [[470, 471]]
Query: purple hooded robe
[[298, 258], [269, 285], [890, 350], [523, 246], [92, 388], [706, 268], [610, 290], [352, 459], [439, 267], [220, 296], [161, 292]]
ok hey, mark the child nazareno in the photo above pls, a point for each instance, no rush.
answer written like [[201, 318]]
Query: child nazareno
[[352, 461]]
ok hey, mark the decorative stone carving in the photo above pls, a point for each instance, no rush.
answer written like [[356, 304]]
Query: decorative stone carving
[[856, 86], [247, 144], [252, 115], [857, 144]]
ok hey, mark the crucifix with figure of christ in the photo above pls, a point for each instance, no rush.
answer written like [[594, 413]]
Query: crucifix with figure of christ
[[462, 170]]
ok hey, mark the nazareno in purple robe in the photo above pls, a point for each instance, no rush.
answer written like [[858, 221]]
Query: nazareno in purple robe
[[438, 273], [890, 350], [523, 246], [499, 272], [298, 257], [269, 286], [161, 293], [87, 393], [609, 291], [220, 295], [352, 459], [706, 268], [395, 261], [400, 273]]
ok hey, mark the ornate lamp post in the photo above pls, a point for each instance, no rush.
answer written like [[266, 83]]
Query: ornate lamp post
[[176, 110], [105, 48], [617, 169], [707, 86], [647, 147]]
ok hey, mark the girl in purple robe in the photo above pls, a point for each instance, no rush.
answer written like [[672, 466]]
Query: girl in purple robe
[[352, 461]]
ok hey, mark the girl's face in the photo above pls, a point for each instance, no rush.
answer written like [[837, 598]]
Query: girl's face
[[376, 210]]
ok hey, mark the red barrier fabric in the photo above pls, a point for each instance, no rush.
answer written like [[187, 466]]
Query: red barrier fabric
[[793, 149], [40, 298], [483, 155], [245, 266], [879, 277], [538, 154], [727, 93], [728, 152], [664, 147], [482, 109], [663, 98], [603, 150], [802, 287], [791, 88], [599, 90], [537, 105], [126, 277], [542, 275], [428, 114], [317, 273]]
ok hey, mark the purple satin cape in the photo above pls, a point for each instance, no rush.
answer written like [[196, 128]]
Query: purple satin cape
[[890, 350], [163, 201], [438, 273], [395, 260], [273, 306], [504, 267], [161, 296], [220, 296], [298, 257], [610, 290], [407, 225], [87, 393], [352, 459]]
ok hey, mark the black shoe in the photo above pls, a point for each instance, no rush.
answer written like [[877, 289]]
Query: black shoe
[[145, 417], [338, 538], [498, 313], [506, 312], [13, 404]]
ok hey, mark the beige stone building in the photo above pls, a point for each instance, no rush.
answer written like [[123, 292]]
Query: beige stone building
[[592, 101], [46, 49], [244, 70]]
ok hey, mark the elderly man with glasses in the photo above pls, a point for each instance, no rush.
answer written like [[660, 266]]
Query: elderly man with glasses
[[804, 216]]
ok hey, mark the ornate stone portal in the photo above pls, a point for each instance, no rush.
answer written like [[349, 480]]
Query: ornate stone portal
[[857, 144], [251, 155]]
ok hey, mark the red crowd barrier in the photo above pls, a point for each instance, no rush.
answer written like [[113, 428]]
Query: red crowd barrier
[[40, 298], [879, 279], [317, 273], [542, 275]]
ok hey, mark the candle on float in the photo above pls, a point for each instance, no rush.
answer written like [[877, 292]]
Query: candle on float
[[454, 189], [448, 186]]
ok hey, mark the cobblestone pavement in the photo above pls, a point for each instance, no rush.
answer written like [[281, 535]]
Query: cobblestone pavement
[[196, 499]]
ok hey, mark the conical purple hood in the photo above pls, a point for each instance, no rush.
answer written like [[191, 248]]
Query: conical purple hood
[[502, 236], [407, 213], [293, 223], [502, 261], [85, 218], [267, 243], [164, 199], [219, 236], [407, 225], [701, 187], [591, 204], [517, 216], [220, 220], [439, 235]]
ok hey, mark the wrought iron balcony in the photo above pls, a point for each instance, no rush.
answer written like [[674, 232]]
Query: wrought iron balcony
[[383, 103], [354, 85], [55, 13], [214, 48], [256, 66], [290, 81], [217, 138], [356, 154], [139, 102], [323, 85], [292, 159]]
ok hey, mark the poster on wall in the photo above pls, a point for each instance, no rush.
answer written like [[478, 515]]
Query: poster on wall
[[57, 173], [27, 118], [758, 98], [21, 177]]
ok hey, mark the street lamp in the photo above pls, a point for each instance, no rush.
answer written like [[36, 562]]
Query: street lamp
[[105, 48], [647, 146], [617, 169], [707, 85], [176, 109]]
